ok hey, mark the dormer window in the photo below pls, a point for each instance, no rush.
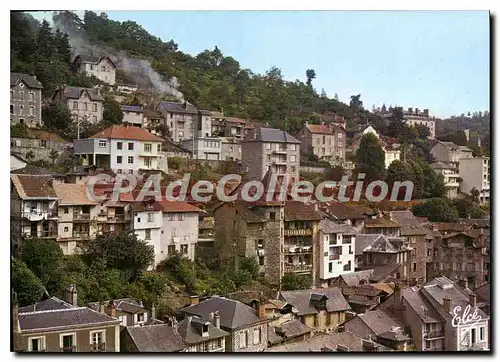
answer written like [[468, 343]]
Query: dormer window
[[204, 329]]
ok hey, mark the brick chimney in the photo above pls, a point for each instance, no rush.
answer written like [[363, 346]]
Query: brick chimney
[[447, 304], [261, 312], [473, 300], [111, 309], [102, 308], [194, 300]]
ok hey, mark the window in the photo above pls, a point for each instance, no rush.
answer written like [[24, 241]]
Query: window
[[130, 146], [140, 317], [148, 234], [184, 248], [130, 172], [340, 135], [316, 320], [414, 266], [97, 341], [21, 96], [103, 68], [151, 217], [218, 343], [158, 148], [36, 344], [330, 265], [261, 260], [324, 139], [65, 229], [171, 249], [66, 210], [32, 110], [171, 217], [293, 169], [347, 267], [11, 94], [147, 147], [293, 158], [119, 145], [147, 162], [257, 336], [67, 342], [75, 105], [427, 344], [102, 143], [130, 159], [272, 215], [294, 147], [181, 134], [268, 146], [481, 334], [43, 143], [119, 171], [11, 109], [21, 110], [85, 106], [94, 107], [181, 217], [244, 339], [118, 159], [473, 335]]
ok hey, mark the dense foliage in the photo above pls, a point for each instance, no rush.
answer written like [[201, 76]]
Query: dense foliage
[[370, 158], [437, 209], [294, 281]]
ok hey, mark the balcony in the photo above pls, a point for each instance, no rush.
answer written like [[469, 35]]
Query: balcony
[[434, 334], [279, 162], [280, 151], [298, 249], [305, 268], [81, 234], [44, 234], [293, 232], [39, 215], [98, 347], [69, 349], [334, 257], [81, 217]]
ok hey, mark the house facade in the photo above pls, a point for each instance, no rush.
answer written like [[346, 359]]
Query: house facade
[[103, 68], [451, 177], [25, 100], [124, 149], [133, 115], [413, 117], [230, 149], [475, 173], [181, 118], [448, 152], [326, 141], [84, 104]]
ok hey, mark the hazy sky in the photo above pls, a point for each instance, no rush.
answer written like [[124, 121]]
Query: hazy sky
[[420, 59]]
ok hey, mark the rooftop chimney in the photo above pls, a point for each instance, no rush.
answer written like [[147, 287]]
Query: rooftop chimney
[[111, 308], [261, 312], [447, 304], [410, 110], [216, 321], [71, 295], [472, 300], [185, 105], [102, 308], [426, 112], [194, 299], [416, 110]]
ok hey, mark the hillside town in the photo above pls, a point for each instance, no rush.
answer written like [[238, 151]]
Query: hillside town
[[350, 269]]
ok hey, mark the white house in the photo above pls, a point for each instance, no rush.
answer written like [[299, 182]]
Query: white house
[[103, 68], [337, 250], [475, 173], [170, 226], [124, 149], [448, 152], [451, 176], [205, 148], [133, 115]]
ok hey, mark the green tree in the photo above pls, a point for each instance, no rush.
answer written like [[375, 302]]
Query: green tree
[[19, 130], [434, 185], [294, 281], [181, 269], [396, 122], [437, 209], [56, 117], [370, 157], [53, 155], [122, 251], [28, 287], [423, 131], [310, 74], [44, 258], [113, 113]]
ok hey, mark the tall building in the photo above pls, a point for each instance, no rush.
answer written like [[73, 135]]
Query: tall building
[[326, 141], [25, 100], [475, 173], [413, 117]]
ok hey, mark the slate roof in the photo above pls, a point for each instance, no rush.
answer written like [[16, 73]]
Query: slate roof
[[127, 305], [169, 146], [48, 304], [442, 166], [416, 302], [387, 245], [354, 279], [381, 272], [190, 330], [348, 339], [156, 338], [341, 210], [329, 227], [60, 318], [178, 107], [321, 128], [380, 323], [381, 223], [127, 133], [132, 108], [296, 210], [34, 170], [365, 240], [272, 336], [265, 134], [233, 314], [73, 194], [293, 328], [483, 293], [92, 59], [34, 187], [40, 134], [29, 80], [70, 92], [152, 113], [301, 300]]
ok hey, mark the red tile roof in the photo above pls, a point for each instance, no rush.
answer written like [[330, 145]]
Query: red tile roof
[[127, 133], [321, 128], [178, 206]]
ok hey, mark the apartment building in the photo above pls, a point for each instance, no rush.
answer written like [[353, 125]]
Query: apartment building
[[475, 173], [451, 177], [101, 67], [336, 250], [429, 312], [181, 119], [448, 152], [33, 208], [319, 309], [170, 226], [326, 141], [25, 100], [54, 325], [413, 117], [76, 214], [230, 149], [247, 327], [84, 104], [123, 149], [268, 148], [133, 115]]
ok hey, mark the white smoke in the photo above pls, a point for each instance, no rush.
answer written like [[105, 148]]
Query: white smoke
[[138, 70]]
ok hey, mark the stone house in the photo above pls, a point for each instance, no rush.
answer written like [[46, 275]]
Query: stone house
[[326, 141], [103, 68], [133, 115], [203, 335], [151, 119], [319, 309], [61, 326], [268, 148], [247, 328], [41, 145], [382, 225], [181, 118], [84, 104], [231, 149], [25, 100], [33, 208]]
